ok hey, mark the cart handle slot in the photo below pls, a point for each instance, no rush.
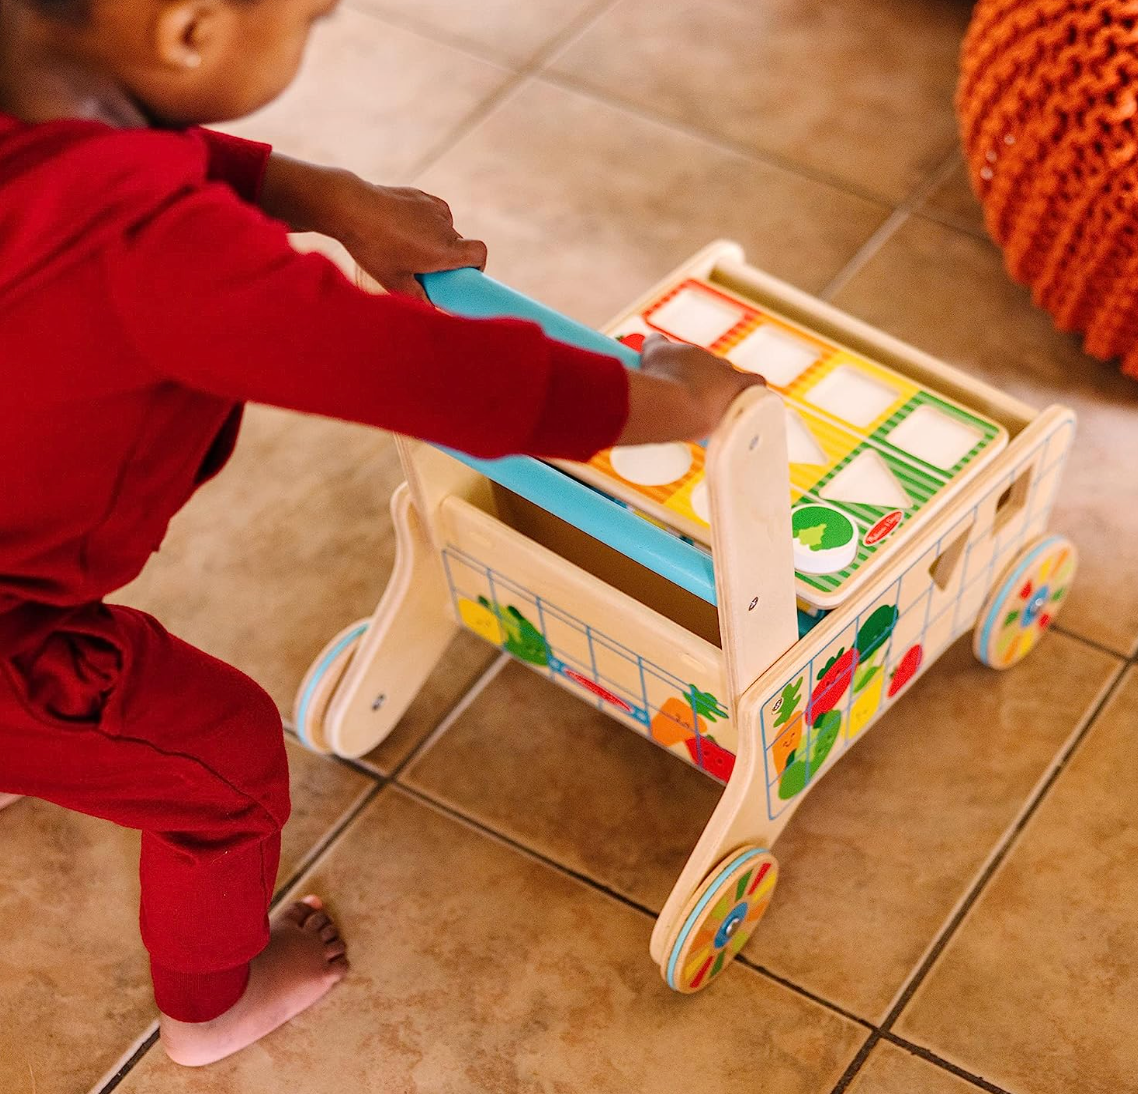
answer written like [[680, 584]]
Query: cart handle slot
[[474, 295]]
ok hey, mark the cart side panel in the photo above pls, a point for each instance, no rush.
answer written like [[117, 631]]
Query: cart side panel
[[841, 678]]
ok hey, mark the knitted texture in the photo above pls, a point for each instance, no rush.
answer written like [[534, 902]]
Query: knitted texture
[[1048, 105]]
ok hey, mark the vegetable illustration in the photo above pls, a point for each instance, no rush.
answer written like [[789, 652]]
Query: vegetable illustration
[[788, 702], [869, 686], [716, 760], [826, 731], [522, 638], [786, 745], [875, 631], [905, 671], [825, 539], [836, 677], [482, 621], [680, 719]]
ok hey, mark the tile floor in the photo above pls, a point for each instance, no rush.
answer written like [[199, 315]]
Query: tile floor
[[959, 909]]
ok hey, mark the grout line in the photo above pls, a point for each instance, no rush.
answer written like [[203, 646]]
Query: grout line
[[320, 848], [929, 1057], [857, 1063], [1058, 628], [1004, 849], [519, 77], [719, 143], [806, 993], [887, 230], [400, 20], [541, 859], [457, 711], [128, 1065]]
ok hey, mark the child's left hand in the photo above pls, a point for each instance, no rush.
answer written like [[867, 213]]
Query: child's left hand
[[393, 232], [397, 232]]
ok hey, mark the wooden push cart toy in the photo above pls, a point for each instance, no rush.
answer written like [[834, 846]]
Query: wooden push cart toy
[[754, 631]]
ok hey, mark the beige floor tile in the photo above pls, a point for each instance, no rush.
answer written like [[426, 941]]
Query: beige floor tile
[[954, 203], [289, 544], [476, 970], [876, 858], [546, 769], [1037, 990], [947, 293], [837, 87], [586, 205], [74, 981], [502, 30], [892, 1070], [373, 98]]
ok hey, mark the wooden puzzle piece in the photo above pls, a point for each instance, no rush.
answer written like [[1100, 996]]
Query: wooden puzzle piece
[[867, 480]]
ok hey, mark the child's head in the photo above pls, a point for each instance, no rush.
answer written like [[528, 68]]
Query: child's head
[[182, 62]]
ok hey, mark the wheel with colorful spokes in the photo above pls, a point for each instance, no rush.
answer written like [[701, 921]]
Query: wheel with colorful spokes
[[719, 919], [1023, 604], [319, 685]]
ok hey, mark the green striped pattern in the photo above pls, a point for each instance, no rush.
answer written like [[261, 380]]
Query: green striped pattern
[[922, 481]]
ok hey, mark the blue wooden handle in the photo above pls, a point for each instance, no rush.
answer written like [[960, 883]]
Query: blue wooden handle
[[472, 294]]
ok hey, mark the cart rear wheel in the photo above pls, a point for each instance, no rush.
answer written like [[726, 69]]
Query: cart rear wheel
[[1023, 604], [319, 685], [719, 919]]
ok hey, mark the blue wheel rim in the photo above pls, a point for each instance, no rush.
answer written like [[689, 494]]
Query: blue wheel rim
[[322, 668], [995, 613], [697, 911]]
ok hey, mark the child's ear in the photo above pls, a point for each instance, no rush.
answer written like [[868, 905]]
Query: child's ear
[[184, 31]]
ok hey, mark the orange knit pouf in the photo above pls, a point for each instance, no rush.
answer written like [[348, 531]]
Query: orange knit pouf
[[1048, 104]]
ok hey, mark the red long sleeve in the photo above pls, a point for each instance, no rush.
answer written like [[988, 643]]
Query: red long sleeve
[[214, 298], [236, 161]]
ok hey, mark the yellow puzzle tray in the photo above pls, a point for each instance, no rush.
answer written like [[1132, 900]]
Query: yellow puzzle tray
[[873, 454]]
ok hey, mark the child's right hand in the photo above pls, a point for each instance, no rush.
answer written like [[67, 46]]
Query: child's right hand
[[679, 393]]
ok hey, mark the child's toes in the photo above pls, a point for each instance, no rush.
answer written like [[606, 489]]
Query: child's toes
[[316, 922], [335, 949], [330, 933], [297, 913]]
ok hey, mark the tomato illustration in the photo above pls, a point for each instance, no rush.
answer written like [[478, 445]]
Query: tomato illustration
[[905, 671], [836, 678]]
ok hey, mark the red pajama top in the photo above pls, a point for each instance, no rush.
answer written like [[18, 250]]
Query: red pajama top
[[144, 299]]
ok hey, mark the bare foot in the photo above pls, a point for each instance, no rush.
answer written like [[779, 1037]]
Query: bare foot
[[7, 799], [304, 958]]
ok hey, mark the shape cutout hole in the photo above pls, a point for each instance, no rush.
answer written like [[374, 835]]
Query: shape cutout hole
[[773, 354], [867, 480], [947, 565], [1013, 501], [936, 437], [801, 444], [697, 317], [853, 395]]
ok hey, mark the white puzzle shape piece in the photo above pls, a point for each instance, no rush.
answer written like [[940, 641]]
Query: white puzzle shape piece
[[935, 437], [851, 395], [697, 317], [867, 480], [800, 442], [777, 356], [651, 464]]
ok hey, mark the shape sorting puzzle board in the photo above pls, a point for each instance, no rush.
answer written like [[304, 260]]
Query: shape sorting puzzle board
[[872, 453]]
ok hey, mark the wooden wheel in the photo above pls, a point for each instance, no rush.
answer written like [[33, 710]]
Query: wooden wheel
[[320, 683], [719, 919], [1021, 607]]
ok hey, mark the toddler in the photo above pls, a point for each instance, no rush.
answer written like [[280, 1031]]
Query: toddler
[[147, 292]]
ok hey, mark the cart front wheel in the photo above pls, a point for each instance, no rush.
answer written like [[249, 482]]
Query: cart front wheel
[[719, 919], [319, 685], [1024, 603]]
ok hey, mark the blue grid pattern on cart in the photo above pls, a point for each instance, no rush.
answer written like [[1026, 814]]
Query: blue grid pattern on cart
[[815, 714], [687, 717]]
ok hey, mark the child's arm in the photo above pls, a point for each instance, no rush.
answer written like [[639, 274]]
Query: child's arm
[[393, 232], [214, 297]]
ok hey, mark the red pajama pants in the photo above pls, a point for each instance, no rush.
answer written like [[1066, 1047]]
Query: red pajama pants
[[102, 711]]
